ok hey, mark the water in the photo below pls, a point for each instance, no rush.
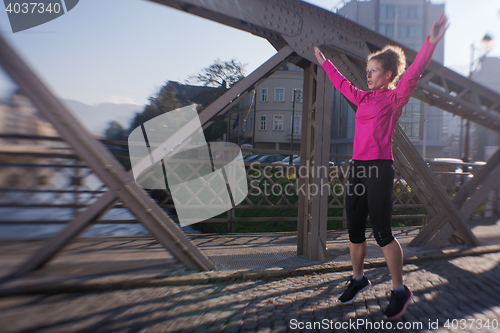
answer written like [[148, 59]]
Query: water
[[56, 214], [49, 230]]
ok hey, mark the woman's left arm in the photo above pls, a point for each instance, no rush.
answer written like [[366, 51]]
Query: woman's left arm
[[409, 81]]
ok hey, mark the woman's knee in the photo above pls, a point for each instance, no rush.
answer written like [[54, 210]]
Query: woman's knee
[[383, 238]]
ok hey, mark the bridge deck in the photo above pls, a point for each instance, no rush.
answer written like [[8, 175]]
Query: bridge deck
[[89, 258]]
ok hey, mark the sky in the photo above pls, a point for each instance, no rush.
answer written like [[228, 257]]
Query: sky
[[123, 51]]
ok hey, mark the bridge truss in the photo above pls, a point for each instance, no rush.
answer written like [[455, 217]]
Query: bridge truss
[[293, 27]]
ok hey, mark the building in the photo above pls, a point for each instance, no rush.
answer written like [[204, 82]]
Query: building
[[272, 114], [407, 22], [484, 142]]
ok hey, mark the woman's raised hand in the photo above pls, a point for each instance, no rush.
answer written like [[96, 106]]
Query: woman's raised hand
[[319, 55], [438, 29]]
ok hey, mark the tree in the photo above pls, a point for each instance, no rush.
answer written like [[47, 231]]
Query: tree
[[115, 131], [221, 74], [164, 101]]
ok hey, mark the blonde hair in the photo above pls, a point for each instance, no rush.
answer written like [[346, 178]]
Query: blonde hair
[[391, 58]]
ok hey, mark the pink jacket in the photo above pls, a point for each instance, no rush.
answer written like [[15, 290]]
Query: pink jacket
[[379, 110]]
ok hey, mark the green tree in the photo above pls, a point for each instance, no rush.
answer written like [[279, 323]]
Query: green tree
[[221, 74], [163, 102], [115, 131]]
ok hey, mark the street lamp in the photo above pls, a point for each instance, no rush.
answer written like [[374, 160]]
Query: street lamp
[[487, 44], [297, 96]]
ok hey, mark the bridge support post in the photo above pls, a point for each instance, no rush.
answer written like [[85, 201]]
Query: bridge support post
[[314, 186]]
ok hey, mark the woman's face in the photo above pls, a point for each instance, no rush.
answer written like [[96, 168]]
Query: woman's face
[[376, 76]]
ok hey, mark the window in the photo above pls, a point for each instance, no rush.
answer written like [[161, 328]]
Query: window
[[382, 30], [263, 122], [391, 11], [412, 12], [402, 31], [263, 95], [408, 110], [279, 95], [296, 126], [411, 31], [297, 94], [278, 123], [390, 31], [250, 124]]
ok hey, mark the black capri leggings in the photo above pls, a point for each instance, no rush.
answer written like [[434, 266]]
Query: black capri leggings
[[369, 191]]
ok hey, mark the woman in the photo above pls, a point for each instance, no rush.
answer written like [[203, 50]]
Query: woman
[[371, 180]]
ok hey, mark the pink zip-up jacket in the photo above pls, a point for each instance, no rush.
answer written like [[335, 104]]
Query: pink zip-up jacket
[[379, 110]]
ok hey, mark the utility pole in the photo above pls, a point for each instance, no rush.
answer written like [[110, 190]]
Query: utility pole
[[254, 115], [424, 147], [293, 122]]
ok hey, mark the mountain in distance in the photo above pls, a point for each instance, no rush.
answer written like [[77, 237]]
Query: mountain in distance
[[96, 118]]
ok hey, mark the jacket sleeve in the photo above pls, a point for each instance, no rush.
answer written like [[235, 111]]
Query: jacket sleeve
[[343, 85], [408, 83]]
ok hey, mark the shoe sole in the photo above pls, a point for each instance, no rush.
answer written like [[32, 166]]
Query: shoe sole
[[354, 298], [400, 313]]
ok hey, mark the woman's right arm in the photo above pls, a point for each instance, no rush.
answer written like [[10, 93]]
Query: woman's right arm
[[343, 85]]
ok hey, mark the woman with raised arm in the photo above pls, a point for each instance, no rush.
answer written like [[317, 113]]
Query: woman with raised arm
[[371, 180]]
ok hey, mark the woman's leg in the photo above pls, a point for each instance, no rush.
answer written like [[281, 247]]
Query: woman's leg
[[394, 258], [380, 187], [356, 212], [358, 254]]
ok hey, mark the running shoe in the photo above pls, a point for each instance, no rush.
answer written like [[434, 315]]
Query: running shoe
[[353, 289], [398, 303]]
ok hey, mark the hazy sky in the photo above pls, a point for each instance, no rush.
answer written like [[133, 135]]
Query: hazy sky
[[124, 50]]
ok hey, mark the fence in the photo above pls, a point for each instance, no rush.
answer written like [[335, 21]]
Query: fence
[[42, 172]]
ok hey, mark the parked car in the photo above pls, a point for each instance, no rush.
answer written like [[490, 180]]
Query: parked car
[[296, 161], [252, 158], [286, 160], [270, 158], [453, 167]]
